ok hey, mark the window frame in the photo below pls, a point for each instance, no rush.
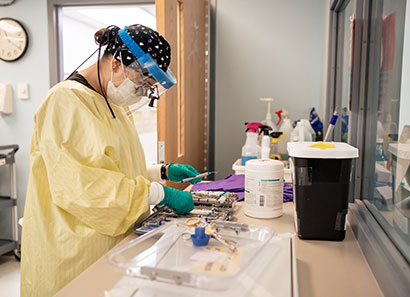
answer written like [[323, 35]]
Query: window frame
[[54, 8], [387, 263]]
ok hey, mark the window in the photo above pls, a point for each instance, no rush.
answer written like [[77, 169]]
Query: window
[[368, 74], [386, 176]]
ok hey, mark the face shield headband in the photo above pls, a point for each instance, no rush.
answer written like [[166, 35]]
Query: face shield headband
[[164, 80]]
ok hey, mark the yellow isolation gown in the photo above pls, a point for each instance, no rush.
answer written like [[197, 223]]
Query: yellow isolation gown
[[87, 187]]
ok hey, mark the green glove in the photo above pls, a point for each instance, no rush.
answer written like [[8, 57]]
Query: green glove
[[177, 172], [180, 201]]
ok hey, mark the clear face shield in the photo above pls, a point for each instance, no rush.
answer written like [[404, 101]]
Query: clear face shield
[[144, 71]]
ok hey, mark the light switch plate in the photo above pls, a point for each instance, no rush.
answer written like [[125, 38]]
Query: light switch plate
[[22, 91]]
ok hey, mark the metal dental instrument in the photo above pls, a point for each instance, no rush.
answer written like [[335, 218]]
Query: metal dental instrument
[[212, 231], [196, 222], [198, 176]]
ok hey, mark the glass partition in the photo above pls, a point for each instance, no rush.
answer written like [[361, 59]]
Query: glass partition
[[386, 157]]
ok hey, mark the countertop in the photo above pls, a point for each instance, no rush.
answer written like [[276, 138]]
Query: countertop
[[325, 268]]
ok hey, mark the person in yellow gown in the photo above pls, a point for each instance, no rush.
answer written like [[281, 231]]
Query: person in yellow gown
[[88, 180]]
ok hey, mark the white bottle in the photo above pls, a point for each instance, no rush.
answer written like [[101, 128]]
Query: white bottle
[[251, 149], [265, 149], [265, 141], [380, 130], [268, 119], [301, 133], [309, 129], [286, 127]]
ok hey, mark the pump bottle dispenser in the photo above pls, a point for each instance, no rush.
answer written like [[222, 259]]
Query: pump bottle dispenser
[[268, 119], [266, 141], [251, 149]]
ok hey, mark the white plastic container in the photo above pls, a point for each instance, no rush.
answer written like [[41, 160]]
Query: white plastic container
[[302, 132], [321, 179], [264, 188], [237, 167], [287, 129], [171, 259]]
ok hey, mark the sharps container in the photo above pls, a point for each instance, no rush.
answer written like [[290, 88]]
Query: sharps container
[[264, 188], [321, 175]]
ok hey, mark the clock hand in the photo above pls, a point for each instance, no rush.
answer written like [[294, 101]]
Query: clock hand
[[16, 45], [11, 42]]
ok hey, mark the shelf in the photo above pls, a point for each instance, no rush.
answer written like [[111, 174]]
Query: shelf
[[6, 202], [7, 246]]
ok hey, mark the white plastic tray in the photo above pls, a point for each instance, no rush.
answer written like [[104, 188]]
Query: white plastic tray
[[172, 258], [273, 274]]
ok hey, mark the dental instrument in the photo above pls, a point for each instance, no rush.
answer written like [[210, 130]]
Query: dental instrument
[[198, 176], [332, 124]]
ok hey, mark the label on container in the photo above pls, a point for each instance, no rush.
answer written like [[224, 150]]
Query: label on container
[[247, 158], [263, 194]]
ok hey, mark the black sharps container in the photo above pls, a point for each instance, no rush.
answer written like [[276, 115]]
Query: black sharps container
[[321, 176]]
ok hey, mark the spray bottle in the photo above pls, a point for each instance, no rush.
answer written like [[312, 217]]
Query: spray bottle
[[279, 114], [268, 119], [286, 127], [274, 153], [266, 141], [251, 149]]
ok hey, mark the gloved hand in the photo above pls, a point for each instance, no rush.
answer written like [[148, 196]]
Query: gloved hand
[[180, 201], [177, 172]]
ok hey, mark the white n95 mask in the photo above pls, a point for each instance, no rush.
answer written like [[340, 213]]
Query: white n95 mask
[[126, 94]]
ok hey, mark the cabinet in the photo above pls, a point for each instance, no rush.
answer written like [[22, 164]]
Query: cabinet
[[7, 158]]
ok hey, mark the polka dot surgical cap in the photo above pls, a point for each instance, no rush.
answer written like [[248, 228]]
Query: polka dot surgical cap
[[148, 40]]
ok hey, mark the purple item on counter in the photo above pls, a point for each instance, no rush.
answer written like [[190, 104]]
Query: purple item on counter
[[231, 183], [236, 184], [287, 193]]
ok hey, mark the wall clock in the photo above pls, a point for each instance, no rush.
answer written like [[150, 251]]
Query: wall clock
[[13, 40]]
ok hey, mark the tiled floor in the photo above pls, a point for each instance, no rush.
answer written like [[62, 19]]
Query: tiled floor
[[9, 276]]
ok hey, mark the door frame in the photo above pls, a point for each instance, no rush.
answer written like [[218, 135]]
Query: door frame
[[56, 58], [54, 29], [211, 87]]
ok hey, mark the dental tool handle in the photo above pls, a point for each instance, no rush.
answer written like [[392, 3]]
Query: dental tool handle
[[329, 130], [331, 127], [198, 176]]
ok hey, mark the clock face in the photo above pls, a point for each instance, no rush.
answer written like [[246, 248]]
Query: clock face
[[13, 40]]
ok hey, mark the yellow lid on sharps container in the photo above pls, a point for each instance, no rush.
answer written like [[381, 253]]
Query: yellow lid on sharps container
[[323, 146], [322, 150]]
